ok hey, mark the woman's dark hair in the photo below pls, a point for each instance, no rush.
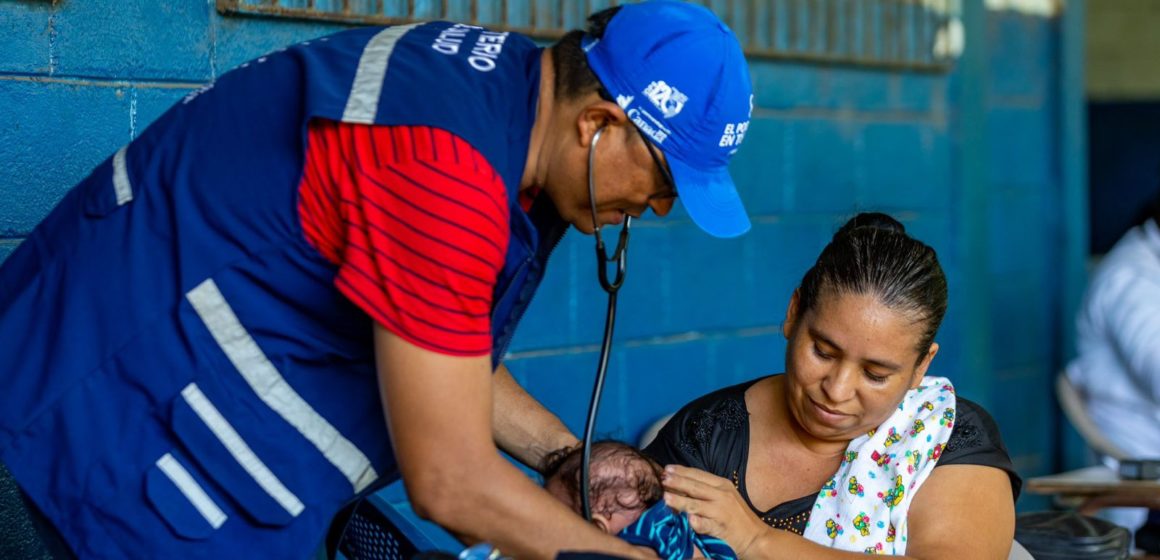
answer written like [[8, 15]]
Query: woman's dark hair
[[574, 78], [873, 255]]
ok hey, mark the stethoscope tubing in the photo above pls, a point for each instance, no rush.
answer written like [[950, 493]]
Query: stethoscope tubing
[[612, 287]]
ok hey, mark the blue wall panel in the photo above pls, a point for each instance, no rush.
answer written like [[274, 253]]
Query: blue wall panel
[[907, 167], [763, 165], [64, 129], [240, 39], [1022, 140], [826, 156], [27, 37], [134, 39]]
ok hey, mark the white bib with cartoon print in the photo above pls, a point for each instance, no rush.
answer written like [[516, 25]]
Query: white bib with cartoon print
[[863, 507]]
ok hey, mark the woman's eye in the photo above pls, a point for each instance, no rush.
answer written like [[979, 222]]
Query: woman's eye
[[875, 378], [820, 353]]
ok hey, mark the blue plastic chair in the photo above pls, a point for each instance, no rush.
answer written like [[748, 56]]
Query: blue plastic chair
[[384, 527]]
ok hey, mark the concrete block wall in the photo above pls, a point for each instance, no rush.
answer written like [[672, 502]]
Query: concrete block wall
[[79, 79]]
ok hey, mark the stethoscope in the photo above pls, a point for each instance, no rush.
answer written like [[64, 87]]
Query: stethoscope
[[620, 257]]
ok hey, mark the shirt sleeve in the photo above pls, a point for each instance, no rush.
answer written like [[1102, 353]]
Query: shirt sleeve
[[975, 440], [1130, 303], [416, 221]]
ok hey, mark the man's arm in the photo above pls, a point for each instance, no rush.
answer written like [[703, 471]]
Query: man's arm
[[1133, 319], [521, 425], [439, 412]]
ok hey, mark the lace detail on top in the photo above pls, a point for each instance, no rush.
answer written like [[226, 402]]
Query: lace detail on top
[[728, 415], [965, 436]]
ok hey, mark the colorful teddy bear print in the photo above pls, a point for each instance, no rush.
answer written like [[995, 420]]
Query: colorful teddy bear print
[[894, 496], [892, 437], [833, 529], [913, 458], [948, 418], [829, 489], [862, 524], [855, 488], [882, 459]]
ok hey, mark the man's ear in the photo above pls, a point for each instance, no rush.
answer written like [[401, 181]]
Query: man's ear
[[595, 115], [791, 314]]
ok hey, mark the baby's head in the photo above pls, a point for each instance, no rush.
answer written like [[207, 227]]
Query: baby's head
[[623, 483]]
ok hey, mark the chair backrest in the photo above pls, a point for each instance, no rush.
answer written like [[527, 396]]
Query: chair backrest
[[1073, 407], [384, 527], [650, 433], [1018, 552]]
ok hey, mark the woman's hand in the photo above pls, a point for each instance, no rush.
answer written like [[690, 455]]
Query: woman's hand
[[714, 506]]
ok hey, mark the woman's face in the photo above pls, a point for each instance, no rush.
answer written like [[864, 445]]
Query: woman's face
[[849, 362]]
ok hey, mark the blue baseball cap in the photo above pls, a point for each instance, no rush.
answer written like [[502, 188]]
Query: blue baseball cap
[[680, 76]]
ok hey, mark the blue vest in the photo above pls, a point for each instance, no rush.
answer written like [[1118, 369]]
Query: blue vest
[[180, 376]]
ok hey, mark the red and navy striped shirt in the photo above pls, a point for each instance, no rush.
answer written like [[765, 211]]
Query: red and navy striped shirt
[[417, 222]]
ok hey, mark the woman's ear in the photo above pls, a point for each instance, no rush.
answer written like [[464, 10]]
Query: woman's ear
[[923, 365], [596, 115], [791, 315]]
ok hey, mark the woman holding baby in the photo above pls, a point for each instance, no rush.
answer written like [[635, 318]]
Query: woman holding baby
[[854, 449]]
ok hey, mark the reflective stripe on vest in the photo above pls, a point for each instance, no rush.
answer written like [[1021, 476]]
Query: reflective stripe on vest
[[121, 185], [192, 491], [240, 450], [261, 375], [363, 103]]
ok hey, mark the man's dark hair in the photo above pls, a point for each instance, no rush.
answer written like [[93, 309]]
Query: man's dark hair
[[574, 78], [873, 255], [621, 468]]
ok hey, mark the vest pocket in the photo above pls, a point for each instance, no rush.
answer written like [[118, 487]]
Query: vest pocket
[[224, 455], [181, 498]]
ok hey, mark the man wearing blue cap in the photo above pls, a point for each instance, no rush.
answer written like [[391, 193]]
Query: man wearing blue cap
[[199, 346]]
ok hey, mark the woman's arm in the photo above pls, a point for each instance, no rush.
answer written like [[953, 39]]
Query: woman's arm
[[961, 511]]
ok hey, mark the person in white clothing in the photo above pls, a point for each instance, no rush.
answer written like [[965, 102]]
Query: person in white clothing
[[1117, 370]]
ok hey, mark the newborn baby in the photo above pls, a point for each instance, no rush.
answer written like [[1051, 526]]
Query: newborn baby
[[623, 483], [625, 497]]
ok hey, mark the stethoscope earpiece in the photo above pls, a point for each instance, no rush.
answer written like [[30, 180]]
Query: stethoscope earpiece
[[620, 255]]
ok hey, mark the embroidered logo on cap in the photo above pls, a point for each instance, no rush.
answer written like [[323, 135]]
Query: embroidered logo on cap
[[668, 99]]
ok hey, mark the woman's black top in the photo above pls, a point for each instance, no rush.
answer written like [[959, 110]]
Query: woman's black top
[[712, 434]]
